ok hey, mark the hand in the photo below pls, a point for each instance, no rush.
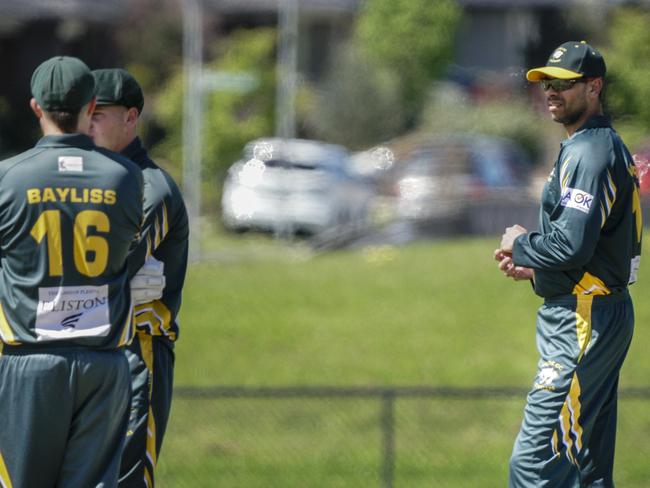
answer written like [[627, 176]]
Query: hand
[[499, 255], [149, 282], [509, 269], [508, 238], [519, 273]]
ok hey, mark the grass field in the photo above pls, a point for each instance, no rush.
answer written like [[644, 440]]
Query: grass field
[[263, 313]]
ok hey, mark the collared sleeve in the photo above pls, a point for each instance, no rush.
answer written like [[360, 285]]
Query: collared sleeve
[[587, 194]]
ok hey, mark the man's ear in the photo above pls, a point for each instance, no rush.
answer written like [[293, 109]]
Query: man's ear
[[36, 108], [91, 106], [596, 86], [132, 115]]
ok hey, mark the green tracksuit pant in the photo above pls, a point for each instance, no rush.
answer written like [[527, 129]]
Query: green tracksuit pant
[[151, 361], [63, 417], [568, 434]]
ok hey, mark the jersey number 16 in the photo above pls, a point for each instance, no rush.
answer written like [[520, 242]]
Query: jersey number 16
[[90, 251]]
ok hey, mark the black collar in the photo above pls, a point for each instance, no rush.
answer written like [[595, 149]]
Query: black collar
[[81, 141]]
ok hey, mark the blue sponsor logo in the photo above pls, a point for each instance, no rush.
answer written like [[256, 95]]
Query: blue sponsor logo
[[578, 199], [71, 320]]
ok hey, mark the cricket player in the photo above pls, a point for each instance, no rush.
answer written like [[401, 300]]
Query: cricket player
[[165, 237], [69, 215], [581, 260]]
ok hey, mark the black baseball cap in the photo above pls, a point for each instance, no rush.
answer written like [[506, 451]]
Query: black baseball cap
[[571, 60], [116, 86], [62, 83]]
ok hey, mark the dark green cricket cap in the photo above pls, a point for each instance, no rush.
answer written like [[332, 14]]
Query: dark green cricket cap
[[569, 61], [62, 83], [117, 86]]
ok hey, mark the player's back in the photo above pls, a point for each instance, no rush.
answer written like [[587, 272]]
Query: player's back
[[69, 213]]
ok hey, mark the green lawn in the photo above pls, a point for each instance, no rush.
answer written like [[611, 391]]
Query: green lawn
[[263, 313]]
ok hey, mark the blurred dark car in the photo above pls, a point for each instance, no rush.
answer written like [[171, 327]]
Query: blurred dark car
[[439, 180], [294, 186]]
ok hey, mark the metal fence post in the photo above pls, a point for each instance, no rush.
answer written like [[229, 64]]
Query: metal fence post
[[192, 119], [388, 438]]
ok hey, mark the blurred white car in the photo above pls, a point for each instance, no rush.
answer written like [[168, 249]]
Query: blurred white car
[[293, 186]]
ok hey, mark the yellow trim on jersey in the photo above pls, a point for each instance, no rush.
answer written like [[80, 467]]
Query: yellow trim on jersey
[[128, 329], [157, 236], [564, 176], [636, 210], [165, 220], [591, 285], [155, 317], [149, 248], [611, 184], [6, 333], [5, 480], [608, 201]]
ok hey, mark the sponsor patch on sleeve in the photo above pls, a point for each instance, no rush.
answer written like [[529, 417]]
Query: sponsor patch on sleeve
[[578, 199]]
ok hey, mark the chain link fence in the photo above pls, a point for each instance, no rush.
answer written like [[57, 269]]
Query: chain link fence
[[364, 437]]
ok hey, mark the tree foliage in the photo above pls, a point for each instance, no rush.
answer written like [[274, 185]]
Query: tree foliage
[[450, 110], [628, 67], [231, 118], [357, 105], [413, 38]]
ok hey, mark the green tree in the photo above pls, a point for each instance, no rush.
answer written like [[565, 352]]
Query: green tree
[[412, 38], [231, 118], [628, 64], [450, 110], [357, 105]]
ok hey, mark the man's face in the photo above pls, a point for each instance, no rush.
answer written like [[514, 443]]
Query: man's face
[[109, 127], [566, 106]]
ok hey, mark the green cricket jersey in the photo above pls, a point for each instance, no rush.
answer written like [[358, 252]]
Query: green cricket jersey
[[165, 236], [69, 214], [589, 238]]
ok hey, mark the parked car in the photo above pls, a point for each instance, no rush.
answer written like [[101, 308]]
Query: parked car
[[439, 179], [293, 186]]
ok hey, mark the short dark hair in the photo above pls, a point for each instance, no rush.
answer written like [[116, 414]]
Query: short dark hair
[[65, 120]]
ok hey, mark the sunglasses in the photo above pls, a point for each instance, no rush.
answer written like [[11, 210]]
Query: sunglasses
[[559, 85]]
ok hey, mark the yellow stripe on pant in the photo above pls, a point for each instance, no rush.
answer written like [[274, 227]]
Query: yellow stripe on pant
[[146, 348], [151, 442], [583, 322], [588, 287], [570, 420], [5, 481]]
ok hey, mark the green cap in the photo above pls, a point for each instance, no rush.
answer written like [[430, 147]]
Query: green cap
[[571, 60], [62, 83], [117, 86]]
